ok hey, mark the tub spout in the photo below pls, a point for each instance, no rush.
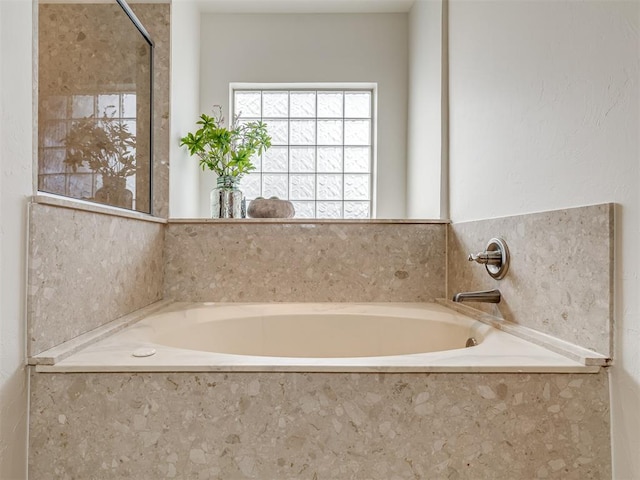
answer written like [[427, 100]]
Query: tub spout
[[485, 296]]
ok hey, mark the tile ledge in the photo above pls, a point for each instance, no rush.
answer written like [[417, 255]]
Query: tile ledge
[[66, 349], [580, 354], [310, 369], [307, 221], [52, 200]]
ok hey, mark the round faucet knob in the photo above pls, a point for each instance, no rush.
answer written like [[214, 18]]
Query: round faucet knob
[[487, 258]]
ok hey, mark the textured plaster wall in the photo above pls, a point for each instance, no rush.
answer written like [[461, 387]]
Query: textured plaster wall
[[545, 115], [16, 180], [185, 107], [426, 193]]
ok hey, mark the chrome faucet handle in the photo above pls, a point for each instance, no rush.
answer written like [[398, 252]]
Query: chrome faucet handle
[[495, 258], [487, 258]]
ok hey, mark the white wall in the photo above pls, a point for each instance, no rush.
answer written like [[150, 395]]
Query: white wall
[[316, 48], [426, 187], [16, 180], [544, 114], [185, 88]]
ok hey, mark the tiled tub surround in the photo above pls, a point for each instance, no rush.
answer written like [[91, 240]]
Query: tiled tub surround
[[319, 426], [315, 261], [223, 424], [87, 269], [561, 274]]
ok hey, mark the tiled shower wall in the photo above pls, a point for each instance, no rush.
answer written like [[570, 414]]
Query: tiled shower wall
[[560, 281], [305, 262]]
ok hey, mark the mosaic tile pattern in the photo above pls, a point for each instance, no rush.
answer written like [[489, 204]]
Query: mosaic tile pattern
[[299, 262], [561, 274], [319, 426], [86, 269]]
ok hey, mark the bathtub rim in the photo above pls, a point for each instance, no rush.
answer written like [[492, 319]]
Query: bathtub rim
[[257, 321], [564, 357]]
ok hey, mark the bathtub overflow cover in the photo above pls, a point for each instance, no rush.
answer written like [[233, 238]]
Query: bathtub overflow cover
[[471, 342], [144, 352]]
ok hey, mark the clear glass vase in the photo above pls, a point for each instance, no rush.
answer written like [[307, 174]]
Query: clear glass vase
[[226, 199]]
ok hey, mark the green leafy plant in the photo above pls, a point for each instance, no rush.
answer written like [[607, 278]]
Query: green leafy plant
[[104, 144], [226, 151]]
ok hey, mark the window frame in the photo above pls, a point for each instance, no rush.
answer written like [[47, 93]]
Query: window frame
[[319, 87]]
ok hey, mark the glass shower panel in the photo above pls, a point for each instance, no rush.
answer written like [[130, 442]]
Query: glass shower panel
[[94, 104]]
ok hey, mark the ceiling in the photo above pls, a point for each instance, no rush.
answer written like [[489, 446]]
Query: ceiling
[[303, 6]]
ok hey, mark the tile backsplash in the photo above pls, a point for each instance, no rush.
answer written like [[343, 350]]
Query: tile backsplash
[[560, 281], [305, 262]]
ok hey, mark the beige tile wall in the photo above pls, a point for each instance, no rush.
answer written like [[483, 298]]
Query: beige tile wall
[[304, 262], [86, 269], [560, 280], [319, 426]]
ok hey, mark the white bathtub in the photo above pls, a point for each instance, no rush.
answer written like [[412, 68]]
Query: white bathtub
[[402, 337], [316, 330]]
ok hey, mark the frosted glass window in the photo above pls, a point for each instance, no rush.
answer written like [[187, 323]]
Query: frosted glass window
[[274, 185], [322, 149], [329, 210], [248, 104], [250, 185], [303, 132], [330, 132], [302, 187], [357, 104], [330, 159], [303, 104], [275, 160], [303, 159], [279, 131], [304, 209], [330, 104], [329, 187], [357, 132], [82, 106], [357, 159], [275, 104], [357, 210], [356, 187], [108, 105]]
